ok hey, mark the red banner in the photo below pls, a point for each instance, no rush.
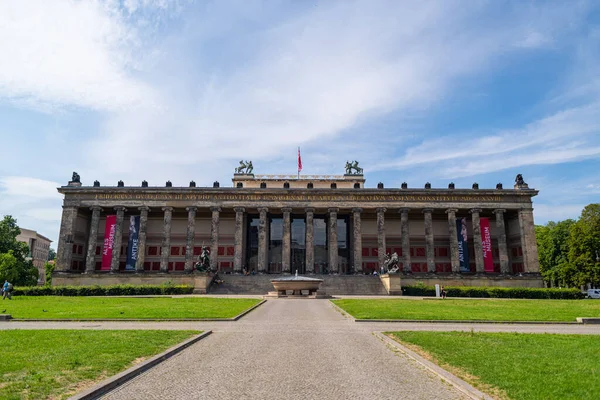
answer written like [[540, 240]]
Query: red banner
[[109, 238], [486, 240], [299, 161]]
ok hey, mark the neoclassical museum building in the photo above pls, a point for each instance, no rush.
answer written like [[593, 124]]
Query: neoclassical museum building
[[279, 224]]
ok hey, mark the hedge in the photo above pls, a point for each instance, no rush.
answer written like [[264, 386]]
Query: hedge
[[495, 292], [112, 290]]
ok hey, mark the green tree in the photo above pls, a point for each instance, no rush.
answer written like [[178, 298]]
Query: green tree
[[14, 265], [553, 251], [51, 254], [584, 246], [9, 267], [49, 269]]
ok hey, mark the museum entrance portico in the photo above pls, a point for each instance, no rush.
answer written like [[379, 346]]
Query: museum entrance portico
[[302, 225]]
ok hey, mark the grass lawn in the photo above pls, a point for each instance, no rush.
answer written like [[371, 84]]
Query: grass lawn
[[486, 309], [63, 307], [41, 364], [516, 365]]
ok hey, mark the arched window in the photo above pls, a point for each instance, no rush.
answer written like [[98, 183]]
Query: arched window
[[263, 185], [239, 185], [357, 185], [334, 185], [309, 185], [286, 185]]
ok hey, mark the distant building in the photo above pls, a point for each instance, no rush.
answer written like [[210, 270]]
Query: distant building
[[39, 247]]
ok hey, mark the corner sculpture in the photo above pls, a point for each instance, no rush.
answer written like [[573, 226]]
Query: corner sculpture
[[519, 180], [244, 168], [203, 264], [76, 177], [353, 166], [391, 264]]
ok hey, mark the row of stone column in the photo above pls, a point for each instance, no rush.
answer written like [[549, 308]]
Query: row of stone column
[[90, 263], [69, 214], [452, 235]]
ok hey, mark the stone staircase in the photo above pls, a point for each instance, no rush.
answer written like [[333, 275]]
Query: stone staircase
[[332, 284]]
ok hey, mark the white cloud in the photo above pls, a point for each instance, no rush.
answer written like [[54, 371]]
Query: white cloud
[[26, 187], [565, 136], [302, 82], [68, 53]]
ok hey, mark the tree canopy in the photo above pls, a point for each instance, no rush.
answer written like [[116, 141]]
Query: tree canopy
[[14, 265], [569, 251]]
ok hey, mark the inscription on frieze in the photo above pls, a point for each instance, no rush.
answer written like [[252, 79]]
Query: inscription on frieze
[[308, 197]]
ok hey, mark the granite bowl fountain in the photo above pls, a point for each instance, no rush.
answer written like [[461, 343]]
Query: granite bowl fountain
[[297, 284]]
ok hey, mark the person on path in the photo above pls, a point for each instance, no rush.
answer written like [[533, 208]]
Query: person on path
[[6, 289], [443, 293]]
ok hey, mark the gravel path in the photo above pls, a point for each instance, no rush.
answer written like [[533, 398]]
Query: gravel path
[[293, 349]]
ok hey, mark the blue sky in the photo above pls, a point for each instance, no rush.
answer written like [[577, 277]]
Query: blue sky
[[417, 91]]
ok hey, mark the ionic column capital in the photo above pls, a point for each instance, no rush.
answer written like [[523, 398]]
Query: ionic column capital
[[239, 209], [96, 208], [427, 210], [499, 211], [120, 208], [357, 210], [404, 210], [194, 209], [333, 210], [309, 210], [263, 210], [215, 209], [523, 210], [144, 208], [286, 210], [381, 210], [475, 210], [452, 210], [169, 209]]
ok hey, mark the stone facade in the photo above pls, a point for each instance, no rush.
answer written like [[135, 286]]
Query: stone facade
[[39, 247], [330, 225]]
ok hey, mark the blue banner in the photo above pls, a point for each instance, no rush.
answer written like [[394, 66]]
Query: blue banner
[[463, 247], [132, 247]]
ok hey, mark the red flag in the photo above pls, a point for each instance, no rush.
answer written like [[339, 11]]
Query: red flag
[[299, 161]]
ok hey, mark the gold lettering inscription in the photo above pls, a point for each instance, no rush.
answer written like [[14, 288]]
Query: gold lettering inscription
[[308, 197]]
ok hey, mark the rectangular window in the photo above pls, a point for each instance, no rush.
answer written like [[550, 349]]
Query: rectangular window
[[175, 251], [365, 252], [221, 251], [179, 266], [156, 266], [420, 251], [197, 251], [230, 250], [98, 250], [147, 266], [152, 251]]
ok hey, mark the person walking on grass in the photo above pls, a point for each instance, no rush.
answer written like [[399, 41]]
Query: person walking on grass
[[6, 289]]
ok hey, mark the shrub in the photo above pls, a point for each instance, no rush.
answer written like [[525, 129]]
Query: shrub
[[495, 292], [113, 290]]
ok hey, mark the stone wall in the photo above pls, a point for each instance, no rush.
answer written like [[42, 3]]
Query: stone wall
[[201, 282]]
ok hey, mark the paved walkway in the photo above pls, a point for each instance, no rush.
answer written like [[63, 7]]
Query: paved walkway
[[293, 349]]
